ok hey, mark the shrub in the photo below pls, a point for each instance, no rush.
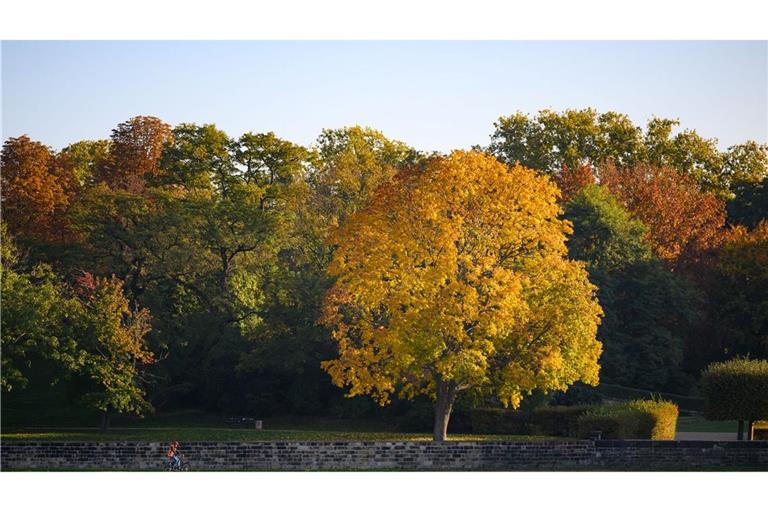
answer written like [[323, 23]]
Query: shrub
[[500, 421], [664, 415], [736, 390], [614, 391], [558, 420], [614, 422], [638, 419], [761, 431]]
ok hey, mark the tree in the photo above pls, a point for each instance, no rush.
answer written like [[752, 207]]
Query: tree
[[747, 175], [135, 150], [455, 277], [37, 187], [111, 336], [746, 163], [736, 389], [88, 331], [199, 157], [551, 141], [86, 157], [605, 234], [648, 309], [268, 160], [742, 293], [34, 310], [349, 165], [750, 204], [683, 220], [572, 181], [688, 153]]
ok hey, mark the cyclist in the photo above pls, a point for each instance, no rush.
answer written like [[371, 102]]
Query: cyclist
[[173, 455]]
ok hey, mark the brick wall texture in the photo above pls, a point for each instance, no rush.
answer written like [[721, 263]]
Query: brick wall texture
[[381, 455]]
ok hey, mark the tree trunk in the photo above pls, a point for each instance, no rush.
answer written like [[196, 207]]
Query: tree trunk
[[740, 435], [446, 396], [104, 421]]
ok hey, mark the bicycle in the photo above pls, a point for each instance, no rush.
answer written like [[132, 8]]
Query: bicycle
[[182, 466]]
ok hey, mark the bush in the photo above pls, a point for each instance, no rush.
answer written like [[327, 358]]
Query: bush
[[500, 421], [761, 431], [664, 415], [614, 422], [558, 420], [638, 419], [614, 391], [736, 390]]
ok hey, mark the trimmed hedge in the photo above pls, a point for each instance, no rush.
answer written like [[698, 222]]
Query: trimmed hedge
[[736, 390], [638, 419], [615, 391], [558, 420], [500, 421], [761, 431], [664, 415]]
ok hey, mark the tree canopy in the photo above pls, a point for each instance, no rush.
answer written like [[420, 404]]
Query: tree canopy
[[455, 277], [223, 269]]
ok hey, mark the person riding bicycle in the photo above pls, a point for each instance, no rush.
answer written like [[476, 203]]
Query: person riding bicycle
[[173, 455]]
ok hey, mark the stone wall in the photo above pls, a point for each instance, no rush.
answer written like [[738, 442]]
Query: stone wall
[[381, 455]]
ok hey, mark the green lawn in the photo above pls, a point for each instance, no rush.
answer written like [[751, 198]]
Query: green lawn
[[190, 434], [197, 426], [189, 426], [699, 424]]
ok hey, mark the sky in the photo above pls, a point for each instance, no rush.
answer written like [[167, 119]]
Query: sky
[[432, 95]]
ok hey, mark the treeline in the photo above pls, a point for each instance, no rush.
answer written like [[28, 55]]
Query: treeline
[[173, 267]]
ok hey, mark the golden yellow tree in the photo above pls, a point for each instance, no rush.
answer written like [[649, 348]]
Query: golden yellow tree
[[455, 276]]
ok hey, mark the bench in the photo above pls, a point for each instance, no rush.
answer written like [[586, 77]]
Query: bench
[[243, 422]]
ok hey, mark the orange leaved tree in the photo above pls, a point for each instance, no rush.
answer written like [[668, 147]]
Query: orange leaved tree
[[684, 222], [453, 277]]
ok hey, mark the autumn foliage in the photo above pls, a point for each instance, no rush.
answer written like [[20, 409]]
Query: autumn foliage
[[444, 276], [571, 181], [136, 148], [456, 277], [683, 220], [37, 189]]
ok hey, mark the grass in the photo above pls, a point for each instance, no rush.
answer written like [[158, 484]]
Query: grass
[[192, 434], [699, 424], [192, 425]]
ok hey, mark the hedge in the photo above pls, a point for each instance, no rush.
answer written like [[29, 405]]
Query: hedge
[[638, 419], [664, 415], [736, 390], [761, 431], [615, 391], [500, 421], [558, 420]]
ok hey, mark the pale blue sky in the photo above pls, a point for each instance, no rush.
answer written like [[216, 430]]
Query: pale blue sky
[[432, 95]]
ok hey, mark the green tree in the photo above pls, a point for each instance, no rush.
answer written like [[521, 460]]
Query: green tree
[[688, 153], [349, 165], [199, 157], [34, 311], [86, 157], [648, 309], [741, 296], [551, 140], [111, 342], [605, 234], [343, 170]]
